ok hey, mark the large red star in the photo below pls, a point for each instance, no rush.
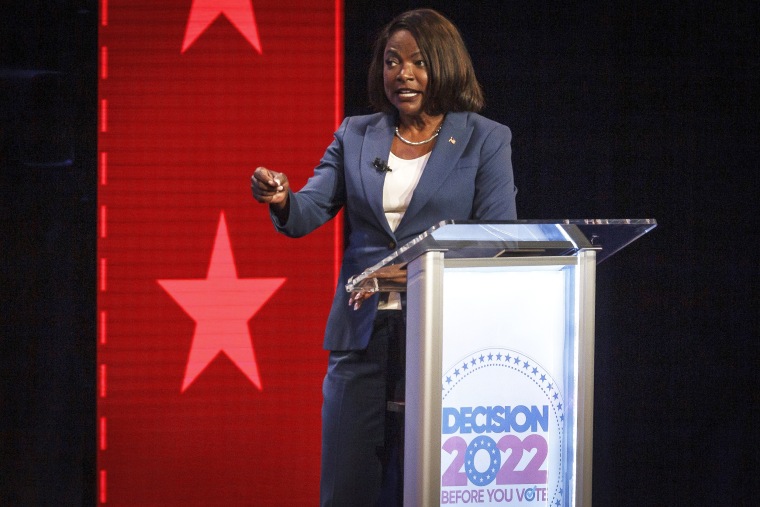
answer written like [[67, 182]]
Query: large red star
[[221, 306], [205, 12]]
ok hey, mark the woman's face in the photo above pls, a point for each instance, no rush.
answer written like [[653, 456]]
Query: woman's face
[[405, 75]]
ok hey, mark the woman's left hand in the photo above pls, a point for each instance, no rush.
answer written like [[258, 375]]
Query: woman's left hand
[[393, 274]]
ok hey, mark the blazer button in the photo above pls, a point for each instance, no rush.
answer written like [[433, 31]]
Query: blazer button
[[392, 245]]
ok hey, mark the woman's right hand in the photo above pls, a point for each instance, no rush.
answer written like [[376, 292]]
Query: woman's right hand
[[270, 187]]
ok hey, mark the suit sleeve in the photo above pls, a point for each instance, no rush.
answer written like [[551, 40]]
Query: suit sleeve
[[322, 196], [495, 189]]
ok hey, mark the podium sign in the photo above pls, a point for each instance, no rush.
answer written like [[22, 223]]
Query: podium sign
[[505, 355], [500, 351]]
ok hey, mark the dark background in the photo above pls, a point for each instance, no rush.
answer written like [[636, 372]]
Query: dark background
[[618, 110]]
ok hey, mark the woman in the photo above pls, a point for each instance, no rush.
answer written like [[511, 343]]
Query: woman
[[426, 156]]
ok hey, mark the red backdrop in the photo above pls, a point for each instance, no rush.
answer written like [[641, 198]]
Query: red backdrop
[[210, 323]]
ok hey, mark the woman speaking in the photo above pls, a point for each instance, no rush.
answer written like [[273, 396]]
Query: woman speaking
[[425, 156]]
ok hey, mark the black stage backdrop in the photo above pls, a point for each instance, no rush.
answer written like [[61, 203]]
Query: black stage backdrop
[[618, 110]]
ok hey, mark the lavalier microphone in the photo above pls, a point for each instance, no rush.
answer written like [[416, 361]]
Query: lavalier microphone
[[381, 165]]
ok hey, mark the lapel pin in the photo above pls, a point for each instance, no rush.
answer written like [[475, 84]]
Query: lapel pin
[[452, 140]]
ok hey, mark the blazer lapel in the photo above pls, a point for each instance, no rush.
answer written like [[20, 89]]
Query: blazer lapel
[[376, 145], [449, 147]]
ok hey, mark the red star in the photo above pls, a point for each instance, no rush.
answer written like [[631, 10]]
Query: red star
[[205, 12], [221, 306]]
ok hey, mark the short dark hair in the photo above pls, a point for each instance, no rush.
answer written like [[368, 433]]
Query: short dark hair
[[452, 85]]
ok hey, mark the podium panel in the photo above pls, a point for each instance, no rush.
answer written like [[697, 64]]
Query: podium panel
[[506, 370], [504, 364]]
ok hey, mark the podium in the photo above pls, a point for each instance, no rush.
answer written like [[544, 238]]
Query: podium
[[500, 358]]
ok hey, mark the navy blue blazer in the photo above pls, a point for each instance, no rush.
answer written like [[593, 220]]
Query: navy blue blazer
[[467, 177]]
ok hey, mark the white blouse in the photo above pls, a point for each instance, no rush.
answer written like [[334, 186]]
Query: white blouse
[[398, 188]]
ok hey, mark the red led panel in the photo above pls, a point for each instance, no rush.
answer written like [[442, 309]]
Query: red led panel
[[210, 323]]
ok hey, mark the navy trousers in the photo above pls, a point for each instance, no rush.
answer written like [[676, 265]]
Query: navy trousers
[[361, 441]]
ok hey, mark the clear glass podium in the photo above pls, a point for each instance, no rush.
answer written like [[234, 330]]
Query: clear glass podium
[[500, 358]]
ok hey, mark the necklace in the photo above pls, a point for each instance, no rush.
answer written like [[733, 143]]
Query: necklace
[[419, 143]]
